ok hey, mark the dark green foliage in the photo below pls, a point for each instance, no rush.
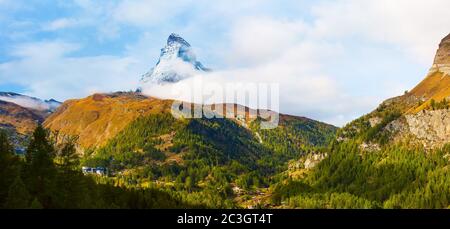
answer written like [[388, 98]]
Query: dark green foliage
[[39, 155], [36, 204], [214, 153], [135, 145], [376, 133], [59, 183], [18, 195], [219, 142], [361, 130], [6, 149], [203, 143], [443, 104], [292, 138], [8, 168], [39, 170], [396, 177], [67, 158]]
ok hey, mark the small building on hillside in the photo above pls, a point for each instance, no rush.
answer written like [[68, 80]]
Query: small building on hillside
[[97, 170]]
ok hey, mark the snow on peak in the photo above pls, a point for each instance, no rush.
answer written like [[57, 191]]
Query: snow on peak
[[177, 61], [175, 38]]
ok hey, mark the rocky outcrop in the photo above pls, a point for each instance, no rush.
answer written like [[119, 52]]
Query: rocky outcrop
[[375, 121], [314, 159], [369, 147], [418, 124], [307, 162], [431, 128], [442, 58]]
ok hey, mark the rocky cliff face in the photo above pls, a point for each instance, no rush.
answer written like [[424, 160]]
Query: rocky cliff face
[[418, 120], [430, 127], [442, 59]]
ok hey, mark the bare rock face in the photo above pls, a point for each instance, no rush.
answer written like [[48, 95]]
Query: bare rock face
[[442, 58], [374, 121], [314, 159], [369, 147], [431, 128]]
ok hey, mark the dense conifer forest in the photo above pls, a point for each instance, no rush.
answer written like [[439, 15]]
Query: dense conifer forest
[[161, 162]]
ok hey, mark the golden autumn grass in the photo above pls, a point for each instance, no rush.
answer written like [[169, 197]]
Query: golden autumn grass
[[435, 86], [99, 117]]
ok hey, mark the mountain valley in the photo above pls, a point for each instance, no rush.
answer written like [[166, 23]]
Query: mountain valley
[[394, 157]]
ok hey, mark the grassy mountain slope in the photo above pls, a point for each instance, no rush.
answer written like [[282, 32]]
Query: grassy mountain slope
[[99, 117]]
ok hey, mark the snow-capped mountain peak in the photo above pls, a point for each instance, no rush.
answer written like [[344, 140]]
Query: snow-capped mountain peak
[[177, 61], [177, 39]]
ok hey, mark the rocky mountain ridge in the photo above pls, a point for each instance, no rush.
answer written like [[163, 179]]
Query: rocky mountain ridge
[[420, 116]]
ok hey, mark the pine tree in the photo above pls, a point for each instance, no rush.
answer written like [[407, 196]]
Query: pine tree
[[6, 149], [67, 157], [36, 204], [7, 168], [189, 183], [18, 196], [71, 183], [40, 170], [40, 151]]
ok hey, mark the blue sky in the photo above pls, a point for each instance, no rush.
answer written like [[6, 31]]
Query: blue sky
[[335, 60]]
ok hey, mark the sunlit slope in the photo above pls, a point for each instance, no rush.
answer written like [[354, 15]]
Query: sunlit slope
[[100, 117]]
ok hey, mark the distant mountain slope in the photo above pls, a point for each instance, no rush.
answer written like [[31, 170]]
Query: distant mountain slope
[[19, 119], [98, 118], [30, 102], [20, 114], [420, 116]]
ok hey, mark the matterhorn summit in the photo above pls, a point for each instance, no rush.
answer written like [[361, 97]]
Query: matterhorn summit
[[176, 62]]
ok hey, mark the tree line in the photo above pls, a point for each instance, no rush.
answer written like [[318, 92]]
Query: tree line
[[49, 176]]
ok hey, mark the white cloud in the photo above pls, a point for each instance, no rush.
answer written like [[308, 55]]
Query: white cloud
[[147, 12], [44, 50], [46, 70], [414, 26], [61, 23], [27, 102], [260, 40]]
